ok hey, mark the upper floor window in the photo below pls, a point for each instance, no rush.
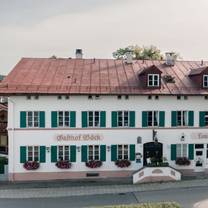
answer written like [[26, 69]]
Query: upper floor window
[[63, 118], [182, 118], [153, 80], [33, 118], [123, 118], [93, 118], [203, 118], [205, 80], [153, 118]]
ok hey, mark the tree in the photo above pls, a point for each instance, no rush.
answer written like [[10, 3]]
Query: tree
[[141, 53]]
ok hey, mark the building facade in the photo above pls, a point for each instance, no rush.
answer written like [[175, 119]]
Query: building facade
[[87, 118]]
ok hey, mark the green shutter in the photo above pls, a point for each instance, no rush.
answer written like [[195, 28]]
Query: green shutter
[[173, 151], [162, 118], [23, 119], [84, 153], [23, 153], [73, 119], [54, 119], [144, 118], [174, 118], [73, 153], [84, 119], [191, 152], [42, 154], [201, 118], [132, 152], [132, 118], [1, 168], [42, 119], [102, 152], [114, 118], [102, 119], [191, 118], [53, 153], [113, 152]]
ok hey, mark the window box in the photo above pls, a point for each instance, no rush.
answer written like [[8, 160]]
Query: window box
[[31, 165], [63, 164], [94, 164], [182, 161], [123, 163]]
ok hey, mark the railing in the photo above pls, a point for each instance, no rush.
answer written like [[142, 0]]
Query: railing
[[153, 174]]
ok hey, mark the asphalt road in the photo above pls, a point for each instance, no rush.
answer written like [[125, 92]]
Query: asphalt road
[[186, 197]]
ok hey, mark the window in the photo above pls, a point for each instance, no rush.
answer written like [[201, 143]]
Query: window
[[182, 118], [33, 153], [63, 153], [153, 118], [181, 150], [33, 118], [123, 152], [153, 80], [206, 118], [205, 81], [93, 152], [123, 118], [93, 118], [63, 119]]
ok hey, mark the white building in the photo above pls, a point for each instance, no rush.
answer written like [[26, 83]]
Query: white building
[[90, 116]]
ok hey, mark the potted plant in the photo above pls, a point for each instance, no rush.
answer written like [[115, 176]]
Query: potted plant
[[123, 163], [94, 164], [182, 161], [63, 164], [31, 165]]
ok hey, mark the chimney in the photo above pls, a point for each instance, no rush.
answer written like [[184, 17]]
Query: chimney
[[129, 57], [170, 59], [79, 53]]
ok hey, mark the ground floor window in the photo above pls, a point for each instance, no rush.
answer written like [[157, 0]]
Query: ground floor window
[[181, 150], [33, 153], [63, 153], [123, 152], [93, 152]]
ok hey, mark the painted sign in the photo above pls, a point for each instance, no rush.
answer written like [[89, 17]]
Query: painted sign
[[199, 135], [79, 137]]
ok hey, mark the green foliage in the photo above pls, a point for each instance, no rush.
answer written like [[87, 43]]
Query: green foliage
[[141, 53], [147, 205]]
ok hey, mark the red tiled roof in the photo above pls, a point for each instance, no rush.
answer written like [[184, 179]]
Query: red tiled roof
[[95, 76]]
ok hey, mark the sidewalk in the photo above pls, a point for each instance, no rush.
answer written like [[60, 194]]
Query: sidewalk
[[18, 192]]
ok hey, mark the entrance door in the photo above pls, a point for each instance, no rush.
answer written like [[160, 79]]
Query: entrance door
[[152, 150], [200, 157]]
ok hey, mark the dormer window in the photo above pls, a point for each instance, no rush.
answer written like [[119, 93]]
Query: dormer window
[[205, 81], [153, 80]]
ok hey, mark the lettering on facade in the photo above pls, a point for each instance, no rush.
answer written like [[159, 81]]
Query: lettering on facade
[[79, 137], [199, 135]]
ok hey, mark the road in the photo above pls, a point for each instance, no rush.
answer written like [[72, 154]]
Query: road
[[186, 197]]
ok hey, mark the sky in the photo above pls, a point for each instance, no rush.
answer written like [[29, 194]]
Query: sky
[[42, 28]]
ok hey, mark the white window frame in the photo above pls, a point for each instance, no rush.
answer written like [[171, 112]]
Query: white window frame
[[181, 150], [154, 114], [63, 119], [184, 118], [65, 152], [35, 119], [205, 81], [94, 153], [93, 123], [155, 78], [33, 153], [125, 118], [122, 152]]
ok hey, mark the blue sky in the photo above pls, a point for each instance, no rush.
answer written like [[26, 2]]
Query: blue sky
[[42, 28]]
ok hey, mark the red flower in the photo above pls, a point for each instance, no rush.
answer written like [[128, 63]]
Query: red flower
[[63, 164], [123, 163], [31, 165], [94, 164]]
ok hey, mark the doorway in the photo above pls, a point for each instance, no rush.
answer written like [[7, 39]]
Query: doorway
[[199, 153], [152, 150]]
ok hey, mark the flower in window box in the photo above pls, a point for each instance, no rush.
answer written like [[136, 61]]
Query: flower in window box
[[182, 161], [31, 165], [122, 163], [94, 164], [63, 164]]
